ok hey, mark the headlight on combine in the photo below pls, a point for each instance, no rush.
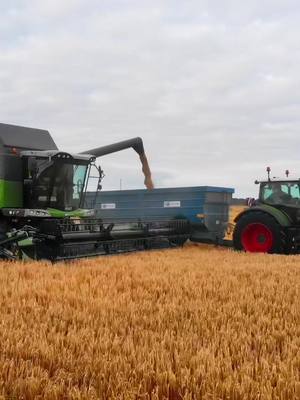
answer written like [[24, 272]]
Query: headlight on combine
[[36, 213], [89, 213]]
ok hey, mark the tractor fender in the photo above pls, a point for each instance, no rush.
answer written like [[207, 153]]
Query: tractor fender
[[280, 216]]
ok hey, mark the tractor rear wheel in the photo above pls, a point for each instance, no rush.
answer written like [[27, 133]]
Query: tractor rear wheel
[[258, 232]]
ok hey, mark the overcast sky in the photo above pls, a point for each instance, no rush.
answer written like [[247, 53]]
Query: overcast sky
[[212, 87]]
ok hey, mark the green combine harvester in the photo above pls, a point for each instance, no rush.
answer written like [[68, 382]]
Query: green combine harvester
[[42, 202]]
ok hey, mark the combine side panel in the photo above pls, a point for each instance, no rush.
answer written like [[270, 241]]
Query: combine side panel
[[11, 194]]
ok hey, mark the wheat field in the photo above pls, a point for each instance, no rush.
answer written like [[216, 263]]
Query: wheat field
[[191, 323]]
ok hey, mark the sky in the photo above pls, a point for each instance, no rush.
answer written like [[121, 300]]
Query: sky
[[212, 87]]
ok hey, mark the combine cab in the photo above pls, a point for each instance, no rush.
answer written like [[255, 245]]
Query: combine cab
[[272, 225], [42, 197]]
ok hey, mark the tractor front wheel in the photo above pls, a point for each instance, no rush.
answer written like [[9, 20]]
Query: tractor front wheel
[[258, 232]]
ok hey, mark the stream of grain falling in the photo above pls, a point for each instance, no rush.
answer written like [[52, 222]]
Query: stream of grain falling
[[147, 172]]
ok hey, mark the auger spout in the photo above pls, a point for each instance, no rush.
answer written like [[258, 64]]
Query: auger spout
[[137, 145]]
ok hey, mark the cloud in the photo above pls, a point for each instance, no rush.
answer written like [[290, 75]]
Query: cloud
[[213, 88]]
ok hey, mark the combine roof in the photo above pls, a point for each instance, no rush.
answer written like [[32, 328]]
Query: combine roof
[[26, 138]]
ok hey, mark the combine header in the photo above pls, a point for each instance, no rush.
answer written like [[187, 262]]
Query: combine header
[[43, 197]]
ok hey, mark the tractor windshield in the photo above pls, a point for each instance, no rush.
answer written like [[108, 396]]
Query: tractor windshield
[[282, 193], [57, 184]]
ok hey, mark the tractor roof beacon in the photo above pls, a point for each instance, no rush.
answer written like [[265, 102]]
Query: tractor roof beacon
[[43, 211], [272, 225]]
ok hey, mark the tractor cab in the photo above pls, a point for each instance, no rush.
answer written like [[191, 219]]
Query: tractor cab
[[283, 195], [56, 180], [280, 193]]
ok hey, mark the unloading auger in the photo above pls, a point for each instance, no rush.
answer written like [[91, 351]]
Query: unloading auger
[[43, 213], [137, 145]]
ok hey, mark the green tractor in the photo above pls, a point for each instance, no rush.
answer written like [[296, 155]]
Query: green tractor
[[43, 212], [272, 223]]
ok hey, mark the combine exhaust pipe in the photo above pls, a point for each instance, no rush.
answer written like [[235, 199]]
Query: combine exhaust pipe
[[137, 145]]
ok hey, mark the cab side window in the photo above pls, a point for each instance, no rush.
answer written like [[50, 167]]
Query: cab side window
[[295, 192], [267, 192], [285, 189]]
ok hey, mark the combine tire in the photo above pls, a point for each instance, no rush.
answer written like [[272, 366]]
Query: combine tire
[[258, 232]]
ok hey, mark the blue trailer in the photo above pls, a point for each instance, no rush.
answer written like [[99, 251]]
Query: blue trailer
[[205, 207]]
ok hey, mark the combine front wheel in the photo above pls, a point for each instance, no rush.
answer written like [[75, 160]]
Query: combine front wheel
[[258, 232]]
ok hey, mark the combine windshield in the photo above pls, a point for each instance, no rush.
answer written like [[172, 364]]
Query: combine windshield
[[58, 184], [285, 193]]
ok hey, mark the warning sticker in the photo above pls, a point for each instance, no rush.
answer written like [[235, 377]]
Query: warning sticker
[[172, 204], [108, 206]]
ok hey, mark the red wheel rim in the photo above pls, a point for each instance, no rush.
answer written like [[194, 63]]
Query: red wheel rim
[[257, 238]]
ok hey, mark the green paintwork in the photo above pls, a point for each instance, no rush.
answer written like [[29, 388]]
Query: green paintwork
[[25, 242], [281, 217], [11, 194], [62, 214]]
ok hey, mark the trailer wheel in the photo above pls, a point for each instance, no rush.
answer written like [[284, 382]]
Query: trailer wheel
[[258, 232]]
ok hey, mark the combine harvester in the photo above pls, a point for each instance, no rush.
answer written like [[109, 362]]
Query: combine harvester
[[43, 203], [42, 197]]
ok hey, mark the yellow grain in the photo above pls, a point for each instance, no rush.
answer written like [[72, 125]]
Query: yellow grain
[[191, 323]]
